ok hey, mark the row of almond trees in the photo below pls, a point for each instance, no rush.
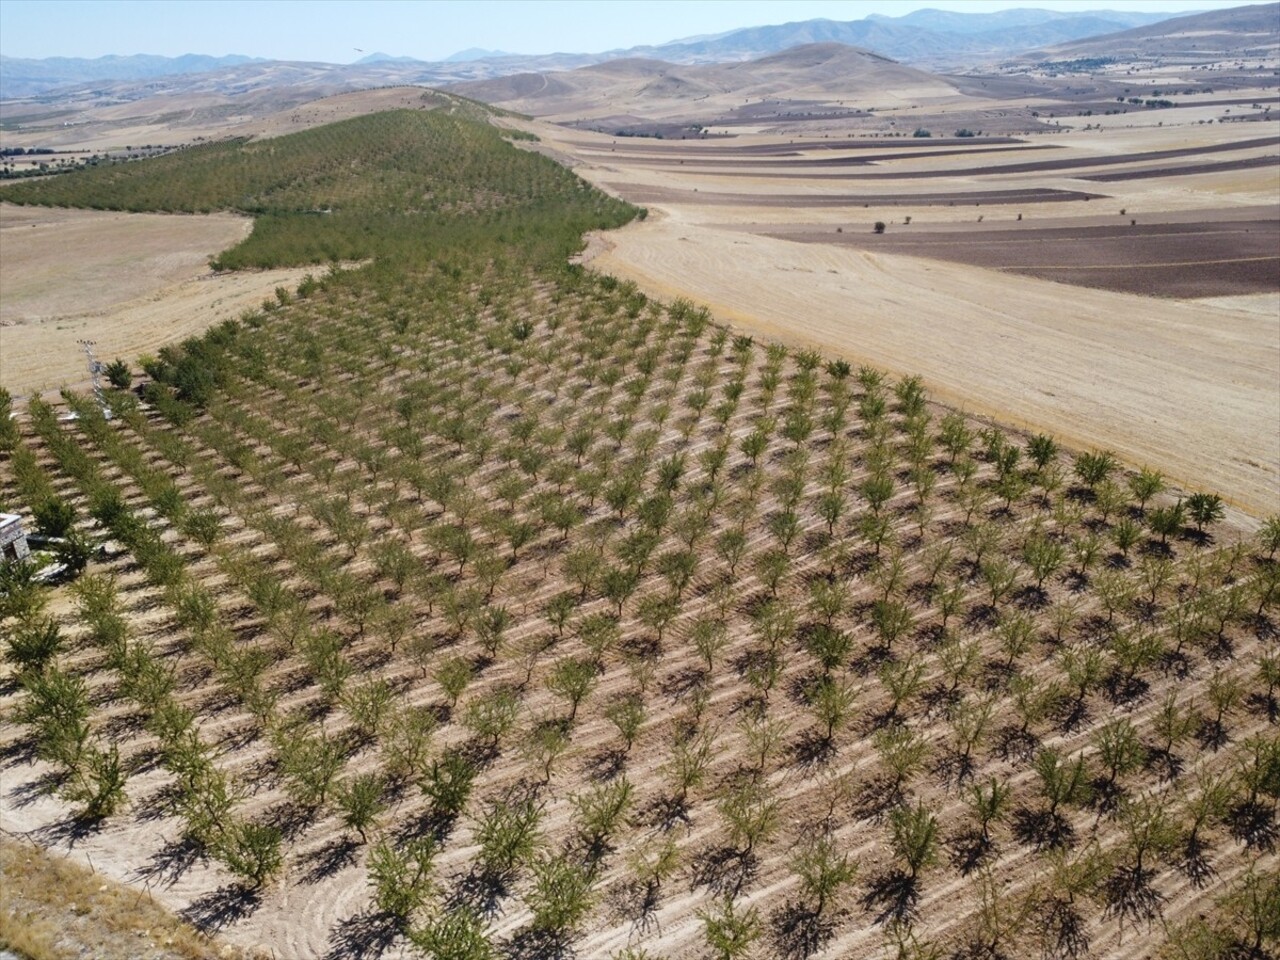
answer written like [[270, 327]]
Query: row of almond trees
[[687, 589]]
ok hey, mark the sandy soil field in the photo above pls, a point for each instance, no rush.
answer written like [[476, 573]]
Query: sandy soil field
[[130, 281], [1189, 386]]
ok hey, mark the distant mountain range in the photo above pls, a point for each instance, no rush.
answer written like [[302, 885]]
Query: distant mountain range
[[1243, 32], [927, 38], [936, 40], [25, 78]]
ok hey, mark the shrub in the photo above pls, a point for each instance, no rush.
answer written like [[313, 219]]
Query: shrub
[[54, 517], [118, 374]]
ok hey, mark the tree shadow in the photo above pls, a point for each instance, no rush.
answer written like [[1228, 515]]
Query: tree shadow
[[1254, 824], [892, 896], [1265, 705], [365, 936], [1213, 734], [215, 911], [723, 870], [876, 798], [482, 890], [798, 932], [954, 768], [970, 851], [329, 859], [664, 812], [1123, 690], [69, 830], [28, 793], [291, 819], [1043, 829], [606, 764], [1015, 743], [19, 751], [813, 750], [167, 865], [1130, 896], [1075, 715], [1194, 863], [637, 902], [532, 944], [1031, 597], [1066, 932], [1166, 764]]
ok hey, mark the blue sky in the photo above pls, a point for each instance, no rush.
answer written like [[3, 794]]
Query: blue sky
[[336, 31]]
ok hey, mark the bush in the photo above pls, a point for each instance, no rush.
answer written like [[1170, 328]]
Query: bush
[[922, 132], [54, 517], [118, 374], [879, 227]]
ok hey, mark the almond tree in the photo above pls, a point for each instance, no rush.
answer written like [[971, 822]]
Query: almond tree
[[824, 871], [728, 931], [1146, 484], [561, 895], [401, 876], [359, 800], [508, 836], [457, 933]]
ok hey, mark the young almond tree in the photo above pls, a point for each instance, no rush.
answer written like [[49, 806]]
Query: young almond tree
[[824, 871], [561, 896], [730, 932], [401, 876], [914, 839]]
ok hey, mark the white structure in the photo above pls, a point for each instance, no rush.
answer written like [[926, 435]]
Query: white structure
[[13, 539]]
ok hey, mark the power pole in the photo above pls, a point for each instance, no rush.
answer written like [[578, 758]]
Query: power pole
[[95, 374]]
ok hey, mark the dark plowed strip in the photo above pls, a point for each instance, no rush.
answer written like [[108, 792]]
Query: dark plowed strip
[[1221, 258], [1221, 165], [800, 162], [792, 149], [645, 194], [1034, 166]]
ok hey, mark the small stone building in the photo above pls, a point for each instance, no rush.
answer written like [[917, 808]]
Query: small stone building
[[13, 539]]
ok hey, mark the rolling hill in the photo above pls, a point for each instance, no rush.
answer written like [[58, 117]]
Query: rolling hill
[[1242, 32], [657, 89]]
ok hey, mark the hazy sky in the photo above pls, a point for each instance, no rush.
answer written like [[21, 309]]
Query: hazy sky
[[337, 31]]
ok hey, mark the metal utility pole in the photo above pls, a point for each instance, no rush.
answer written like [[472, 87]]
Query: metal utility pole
[[95, 374]]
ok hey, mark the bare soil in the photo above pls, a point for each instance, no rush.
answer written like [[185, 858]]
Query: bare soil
[[1183, 260], [131, 281]]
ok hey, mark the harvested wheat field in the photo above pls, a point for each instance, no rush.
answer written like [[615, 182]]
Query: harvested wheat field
[[132, 282]]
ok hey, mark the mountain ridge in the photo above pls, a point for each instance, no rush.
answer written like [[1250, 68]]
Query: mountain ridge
[[923, 37]]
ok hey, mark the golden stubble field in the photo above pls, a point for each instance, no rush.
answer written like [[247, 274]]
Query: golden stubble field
[[131, 281], [1188, 386]]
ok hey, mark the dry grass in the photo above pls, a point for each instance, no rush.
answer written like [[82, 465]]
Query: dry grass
[[52, 908]]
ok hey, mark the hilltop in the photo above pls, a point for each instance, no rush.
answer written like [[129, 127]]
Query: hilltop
[[657, 89]]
